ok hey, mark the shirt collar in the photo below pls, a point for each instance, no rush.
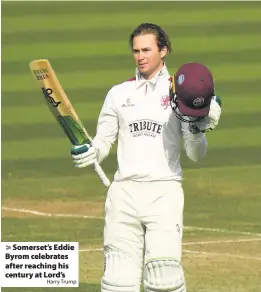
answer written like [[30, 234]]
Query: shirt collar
[[140, 81]]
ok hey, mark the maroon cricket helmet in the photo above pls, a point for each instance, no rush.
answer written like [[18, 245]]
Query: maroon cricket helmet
[[194, 89]]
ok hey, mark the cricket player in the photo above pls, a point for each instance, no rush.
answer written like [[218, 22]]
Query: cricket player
[[153, 116]]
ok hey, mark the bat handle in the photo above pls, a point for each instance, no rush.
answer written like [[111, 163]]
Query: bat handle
[[101, 174]]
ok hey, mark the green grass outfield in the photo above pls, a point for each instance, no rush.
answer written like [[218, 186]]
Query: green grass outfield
[[87, 44]]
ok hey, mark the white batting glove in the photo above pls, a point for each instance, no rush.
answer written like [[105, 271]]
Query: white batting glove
[[209, 122], [83, 155]]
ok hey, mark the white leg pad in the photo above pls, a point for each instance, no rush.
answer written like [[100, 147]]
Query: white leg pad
[[164, 275], [121, 273]]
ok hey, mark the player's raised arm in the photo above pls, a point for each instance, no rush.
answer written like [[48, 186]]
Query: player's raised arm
[[107, 129], [195, 144], [194, 102]]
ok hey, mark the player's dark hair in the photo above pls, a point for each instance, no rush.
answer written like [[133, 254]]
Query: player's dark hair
[[150, 28]]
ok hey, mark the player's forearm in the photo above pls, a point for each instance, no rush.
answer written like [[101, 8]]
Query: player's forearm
[[107, 128], [102, 148], [195, 144]]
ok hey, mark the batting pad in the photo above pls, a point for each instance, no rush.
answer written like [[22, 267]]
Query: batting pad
[[121, 274], [164, 275]]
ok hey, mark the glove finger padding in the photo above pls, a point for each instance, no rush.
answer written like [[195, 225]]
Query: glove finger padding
[[83, 155], [82, 163]]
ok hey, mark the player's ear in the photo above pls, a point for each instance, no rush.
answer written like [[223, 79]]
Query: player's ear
[[164, 52]]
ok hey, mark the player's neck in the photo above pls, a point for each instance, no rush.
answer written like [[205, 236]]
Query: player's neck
[[149, 76]]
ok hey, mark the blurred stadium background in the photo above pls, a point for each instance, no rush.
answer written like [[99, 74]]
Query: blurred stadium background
[[87, 45]]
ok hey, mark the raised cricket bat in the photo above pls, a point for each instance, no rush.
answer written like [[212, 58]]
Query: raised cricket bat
[[61, 108]]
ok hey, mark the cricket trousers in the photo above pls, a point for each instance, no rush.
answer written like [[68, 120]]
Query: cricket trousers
[[143, 223]]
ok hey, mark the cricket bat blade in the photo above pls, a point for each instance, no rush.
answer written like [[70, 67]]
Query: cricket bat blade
[[62, 109]]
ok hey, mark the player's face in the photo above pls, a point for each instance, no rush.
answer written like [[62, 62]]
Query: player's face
[[147, 56]]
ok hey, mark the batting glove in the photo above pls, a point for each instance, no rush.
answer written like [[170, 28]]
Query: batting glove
[[209, 122], [83, 155]]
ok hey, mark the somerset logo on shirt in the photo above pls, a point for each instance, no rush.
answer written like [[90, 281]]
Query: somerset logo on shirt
[[165, 101], [144, 127]]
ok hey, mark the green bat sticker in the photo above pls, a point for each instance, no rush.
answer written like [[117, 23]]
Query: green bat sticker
[[73, 130]]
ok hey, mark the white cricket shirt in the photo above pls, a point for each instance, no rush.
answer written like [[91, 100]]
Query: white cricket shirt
[[138, 113]]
